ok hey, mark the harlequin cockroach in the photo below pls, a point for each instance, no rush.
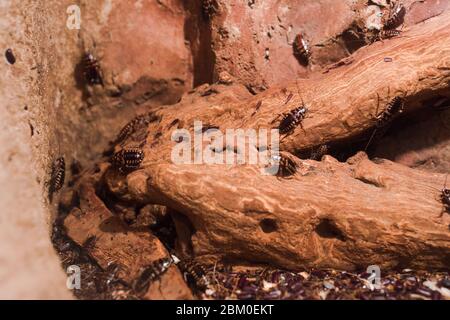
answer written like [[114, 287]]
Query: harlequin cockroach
[[150, 273], [287, 167], [396, 16], [445, 197], [57, 177], [209, 8], [292, 119], [195, 273], [128, 159], [92, 71], [318, 153], [301, 49], [394, 107], [130, 127]]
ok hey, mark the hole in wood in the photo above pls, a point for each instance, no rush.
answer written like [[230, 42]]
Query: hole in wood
[[328, 229], [268, 225]]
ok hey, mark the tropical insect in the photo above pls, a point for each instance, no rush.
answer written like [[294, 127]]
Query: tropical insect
[[287, 167], [209, 8], [57, 177], [292, 119], [131, 127], [195, 273], [150, 273], [9, 55], [445, 197], [394, 107], [301, 49], [319, 152], [128, 159], [92, 71], [396, 16]]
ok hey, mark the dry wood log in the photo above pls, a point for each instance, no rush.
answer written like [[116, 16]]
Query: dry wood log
[[331, 214]]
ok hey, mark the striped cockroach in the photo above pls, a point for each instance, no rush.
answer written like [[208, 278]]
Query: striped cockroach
[[393, 108], [445, 198], [150, 273], [319, 152], [195, 273], [57, 177], [92, 71], [292, 119], [301, 49], [128, 159], [131, 127], [209, 8], [396, 16], [287, 167]]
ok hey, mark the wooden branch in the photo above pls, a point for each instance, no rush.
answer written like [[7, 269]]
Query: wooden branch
[[331, 214]]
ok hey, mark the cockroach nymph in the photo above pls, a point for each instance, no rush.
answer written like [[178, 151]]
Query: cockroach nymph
[[92, 71], [195, 273], [57, 176], [301, 49], [445, 197], [150, 273], [396, 16], [287, 167], [319, 152], [130, 127], [292, 119], [209, 8], [9, 55], [393, 108], [128, 159]]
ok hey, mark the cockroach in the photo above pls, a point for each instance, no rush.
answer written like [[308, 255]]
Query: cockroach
[[318, 153], [292, 119], [57, 177], [287, 167], [9, 55], [92, 71], [396, 16], [209, 8], [131, 127], [445, 197], [301, 49], [195, 273], [128, 159], [394, 107], [150, 273]]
